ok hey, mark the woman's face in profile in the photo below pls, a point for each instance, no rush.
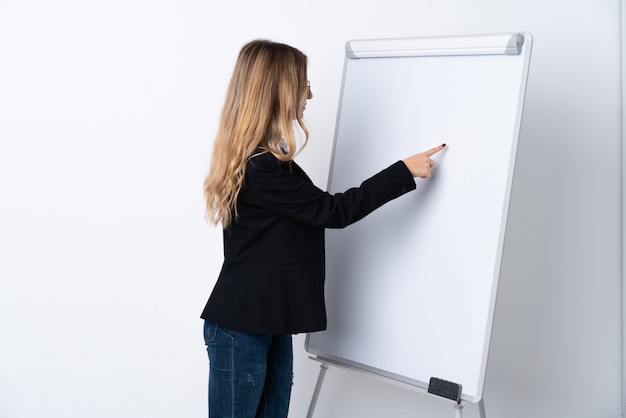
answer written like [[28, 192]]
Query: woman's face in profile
[[309, 96]]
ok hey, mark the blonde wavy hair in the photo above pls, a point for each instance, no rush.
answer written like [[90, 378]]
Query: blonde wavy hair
[[266, 94]]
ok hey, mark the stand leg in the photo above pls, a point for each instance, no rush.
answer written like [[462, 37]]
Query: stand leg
[[458, 409], [481, 408], [318, 387]]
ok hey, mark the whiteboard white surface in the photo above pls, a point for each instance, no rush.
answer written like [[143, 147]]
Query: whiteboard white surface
[[411, 289]]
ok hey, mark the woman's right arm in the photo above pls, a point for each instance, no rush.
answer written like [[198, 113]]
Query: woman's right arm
[[285, 190]]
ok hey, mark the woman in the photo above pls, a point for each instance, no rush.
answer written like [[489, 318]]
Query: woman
[[272, 281]]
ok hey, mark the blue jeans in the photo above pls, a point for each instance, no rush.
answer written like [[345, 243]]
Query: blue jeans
[[250, 375]]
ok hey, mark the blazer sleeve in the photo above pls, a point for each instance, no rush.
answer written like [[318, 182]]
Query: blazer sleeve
[[284, 189]]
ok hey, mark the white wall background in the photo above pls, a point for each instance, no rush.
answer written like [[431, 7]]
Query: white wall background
[[107, 112]]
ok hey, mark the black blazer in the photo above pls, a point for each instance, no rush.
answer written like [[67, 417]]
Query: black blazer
[[272, 279]]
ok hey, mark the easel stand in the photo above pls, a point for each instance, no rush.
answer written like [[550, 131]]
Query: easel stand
[[325, 364], [318, 387], [458, 409]]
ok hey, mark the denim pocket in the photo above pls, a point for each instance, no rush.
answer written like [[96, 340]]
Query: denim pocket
[[226, 332], [210, 332]]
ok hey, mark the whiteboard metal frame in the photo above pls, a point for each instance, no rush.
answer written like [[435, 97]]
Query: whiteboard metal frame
[[324, 366], [502, 44], [623, 132], [499, 44]]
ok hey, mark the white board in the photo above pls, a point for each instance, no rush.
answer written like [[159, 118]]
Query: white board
[[411, 289]]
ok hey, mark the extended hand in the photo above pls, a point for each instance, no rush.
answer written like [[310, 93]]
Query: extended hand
[[420, 164]]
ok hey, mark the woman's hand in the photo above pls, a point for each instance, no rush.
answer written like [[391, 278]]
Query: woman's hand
[[420, 164]]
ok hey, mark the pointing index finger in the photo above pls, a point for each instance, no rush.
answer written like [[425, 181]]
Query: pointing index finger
[[435, 150]]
